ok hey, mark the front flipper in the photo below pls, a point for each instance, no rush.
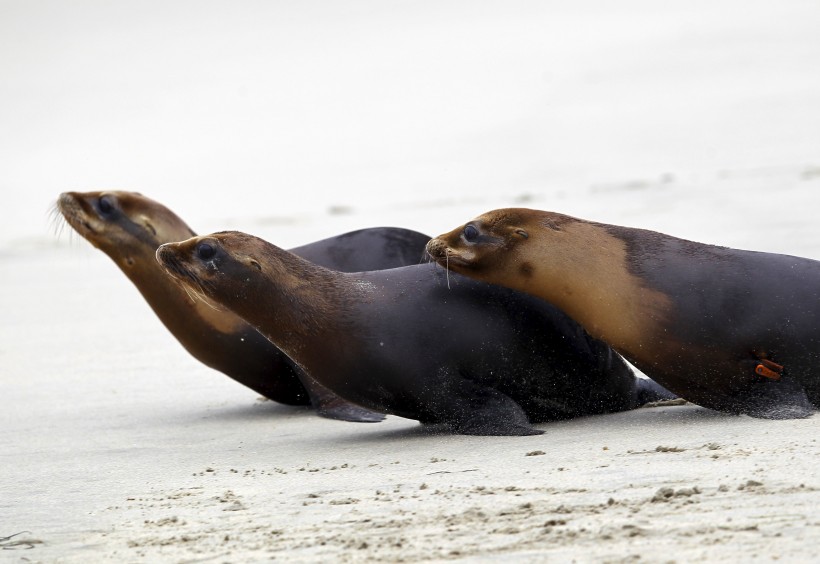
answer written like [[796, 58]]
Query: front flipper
[[776, 399], [472, 409], [331, 406], [339, 409]]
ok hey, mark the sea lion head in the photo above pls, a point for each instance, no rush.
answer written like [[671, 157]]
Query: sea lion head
[[126, 226], [216, 265], [496, 240], [247, 275]]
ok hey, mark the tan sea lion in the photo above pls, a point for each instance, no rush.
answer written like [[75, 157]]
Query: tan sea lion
[[733, 330], [481, 359], [129, 227]]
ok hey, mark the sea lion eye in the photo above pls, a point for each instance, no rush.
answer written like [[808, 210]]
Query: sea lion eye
[[470, 233], [105, 205], [205, 251]]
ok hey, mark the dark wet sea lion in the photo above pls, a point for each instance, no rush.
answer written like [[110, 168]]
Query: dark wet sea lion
[[736, 331], [129, 227], [481, 359]]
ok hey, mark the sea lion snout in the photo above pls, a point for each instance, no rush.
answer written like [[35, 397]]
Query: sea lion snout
[[436, 249], [181, 264], [444, 254], [168, 257], [70, 206], [197, 251], [66, 200]]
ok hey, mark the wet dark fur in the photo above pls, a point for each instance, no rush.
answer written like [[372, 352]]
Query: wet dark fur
[[733, 306]]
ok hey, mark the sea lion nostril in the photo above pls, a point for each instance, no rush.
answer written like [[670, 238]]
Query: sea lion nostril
[[437, 248]]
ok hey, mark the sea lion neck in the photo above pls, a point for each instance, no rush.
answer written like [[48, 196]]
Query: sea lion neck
[[287, 298]]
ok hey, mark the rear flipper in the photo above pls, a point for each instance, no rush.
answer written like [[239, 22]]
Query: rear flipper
[[775, 399], [649, 391]]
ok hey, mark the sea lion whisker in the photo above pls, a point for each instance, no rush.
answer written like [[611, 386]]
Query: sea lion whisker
[[190, 284], [200, 288], [59, 226], [56, 220], [447, 265], [203, 297], [194, 296]]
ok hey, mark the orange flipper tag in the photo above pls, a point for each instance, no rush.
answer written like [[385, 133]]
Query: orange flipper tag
[[769, 369]]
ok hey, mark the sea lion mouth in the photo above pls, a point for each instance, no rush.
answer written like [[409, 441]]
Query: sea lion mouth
[[168, 260], [81, 226], [452, 258]]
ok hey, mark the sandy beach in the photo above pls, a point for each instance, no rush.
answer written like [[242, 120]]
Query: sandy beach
[[116, 446]]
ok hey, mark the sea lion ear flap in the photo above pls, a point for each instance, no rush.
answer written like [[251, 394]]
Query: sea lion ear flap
[[255, 264], [147, 224], [521, 233]]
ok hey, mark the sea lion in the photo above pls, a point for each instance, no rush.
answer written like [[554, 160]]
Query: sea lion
[[129, 227], [480, 359], [736, 331]]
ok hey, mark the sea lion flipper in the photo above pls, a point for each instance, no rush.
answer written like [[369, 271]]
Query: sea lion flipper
[[650, 391], [776, 399], [346, 411], [472, 409], [331, 406]]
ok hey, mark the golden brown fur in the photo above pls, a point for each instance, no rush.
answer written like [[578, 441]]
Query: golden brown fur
[[576, 265]]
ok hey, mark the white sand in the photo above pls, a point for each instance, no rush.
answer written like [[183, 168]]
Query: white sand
[[701, 120]]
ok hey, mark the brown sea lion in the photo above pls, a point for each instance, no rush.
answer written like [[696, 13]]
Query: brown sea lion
[[732, 330], [481, 359], [129, 227]]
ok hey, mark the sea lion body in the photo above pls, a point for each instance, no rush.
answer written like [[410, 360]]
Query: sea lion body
[[699, 319], [479, 358], [129, 227]]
